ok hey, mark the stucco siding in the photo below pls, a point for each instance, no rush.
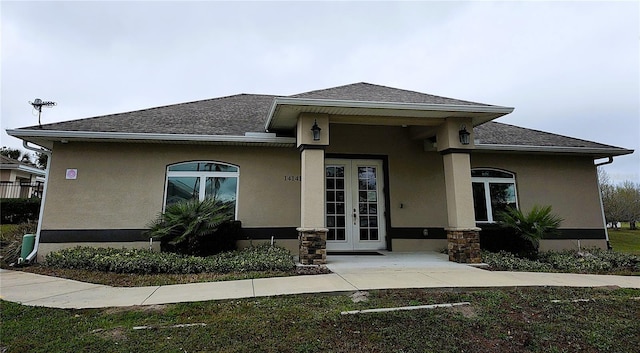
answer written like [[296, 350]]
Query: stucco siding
[[121, 186], [567, 183], [416, 178]]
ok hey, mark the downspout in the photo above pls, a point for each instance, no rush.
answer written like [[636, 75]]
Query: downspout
[[604, 219], [33, 253]]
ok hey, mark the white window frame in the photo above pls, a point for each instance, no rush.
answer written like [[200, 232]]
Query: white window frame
[[487, 193], [202, 175]]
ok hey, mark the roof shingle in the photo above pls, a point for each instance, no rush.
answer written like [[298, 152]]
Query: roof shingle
[[237, 114]]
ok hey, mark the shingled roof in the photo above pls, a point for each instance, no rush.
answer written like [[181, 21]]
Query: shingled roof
[[366, 92], [495, 133], [232, 115], [238, 114]]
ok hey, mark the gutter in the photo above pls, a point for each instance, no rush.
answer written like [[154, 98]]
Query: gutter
[[25, 144], [555, 149], [604, 219], [61, 134]]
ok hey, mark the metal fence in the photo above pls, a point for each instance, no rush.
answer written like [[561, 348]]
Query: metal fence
[[20, 190]]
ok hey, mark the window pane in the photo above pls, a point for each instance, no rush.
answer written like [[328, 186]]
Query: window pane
[[222, 189], [488, 173], [479, 202], [373, 234], [502, 196], [182, 188], [202, 167]]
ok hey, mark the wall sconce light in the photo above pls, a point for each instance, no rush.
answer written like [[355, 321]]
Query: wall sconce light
[[315, 129], [464, 135]]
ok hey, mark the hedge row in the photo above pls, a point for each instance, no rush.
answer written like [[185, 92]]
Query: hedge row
[[16, 211], [588, 261], [259, 258]]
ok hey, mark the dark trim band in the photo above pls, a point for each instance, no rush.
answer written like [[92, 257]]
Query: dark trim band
[[456, 150], [92, 235], [267, 233], [311, 147], [563, 233], [418, 233], [133, 235]]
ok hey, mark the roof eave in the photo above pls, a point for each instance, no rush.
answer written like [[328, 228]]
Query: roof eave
[[59, 135], [23, 168], [590, 151], [492, 112]]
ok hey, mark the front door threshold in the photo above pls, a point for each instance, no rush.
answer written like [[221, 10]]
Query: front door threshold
[[354, 253]]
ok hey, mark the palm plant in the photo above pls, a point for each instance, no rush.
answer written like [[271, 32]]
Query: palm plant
[[185, 225], [532, 226]]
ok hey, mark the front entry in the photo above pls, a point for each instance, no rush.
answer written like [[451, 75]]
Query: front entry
[[354, 207]]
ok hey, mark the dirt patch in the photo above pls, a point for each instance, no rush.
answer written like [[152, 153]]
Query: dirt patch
[[115, 334], [467, 311], [158, 308]]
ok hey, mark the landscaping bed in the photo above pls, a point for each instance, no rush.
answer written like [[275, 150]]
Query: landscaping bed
[[594, 261], [136, 267]]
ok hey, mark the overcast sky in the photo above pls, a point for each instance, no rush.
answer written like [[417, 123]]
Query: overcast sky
[[570, 68]]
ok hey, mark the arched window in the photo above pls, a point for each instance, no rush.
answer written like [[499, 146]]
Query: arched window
[[200, 180], [493, 191]]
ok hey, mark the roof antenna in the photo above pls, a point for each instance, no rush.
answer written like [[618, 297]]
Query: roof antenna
[[38, 104]]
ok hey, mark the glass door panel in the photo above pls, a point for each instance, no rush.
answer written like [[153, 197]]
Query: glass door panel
[[354, 200]]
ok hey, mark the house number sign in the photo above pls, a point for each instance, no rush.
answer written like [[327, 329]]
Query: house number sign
[[292, 178]]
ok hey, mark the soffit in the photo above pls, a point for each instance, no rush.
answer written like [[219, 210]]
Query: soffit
[[285, 111]]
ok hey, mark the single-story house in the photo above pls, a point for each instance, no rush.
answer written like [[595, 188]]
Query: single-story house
[[358, 167], [19, 179]]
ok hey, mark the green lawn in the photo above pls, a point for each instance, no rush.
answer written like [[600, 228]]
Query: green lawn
[[625, 240], [498, 320]]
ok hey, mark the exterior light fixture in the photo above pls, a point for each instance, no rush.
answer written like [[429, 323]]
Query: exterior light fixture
[[315, 129], [464, 135]]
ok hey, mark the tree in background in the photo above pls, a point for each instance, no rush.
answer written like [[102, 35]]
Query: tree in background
[[621, 202], [39, 161], [12, 153]]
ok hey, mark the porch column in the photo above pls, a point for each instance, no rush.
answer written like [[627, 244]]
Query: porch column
[[312, 233], [463, 237]]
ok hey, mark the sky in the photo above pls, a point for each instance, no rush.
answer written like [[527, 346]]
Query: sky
[[570, 68]]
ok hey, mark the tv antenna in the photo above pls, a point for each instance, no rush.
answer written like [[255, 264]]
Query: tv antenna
[[38, 104]]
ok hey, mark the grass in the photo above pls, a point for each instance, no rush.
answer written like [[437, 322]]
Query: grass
[[513, 320], [625, 240]]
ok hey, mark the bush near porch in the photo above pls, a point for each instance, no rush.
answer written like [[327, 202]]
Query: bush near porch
[[596, 261], [137, 261]]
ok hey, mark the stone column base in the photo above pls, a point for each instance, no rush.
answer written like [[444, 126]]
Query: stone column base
[[464, 245], [313, 245]]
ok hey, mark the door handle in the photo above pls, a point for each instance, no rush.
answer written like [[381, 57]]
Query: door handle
[[355, 217]]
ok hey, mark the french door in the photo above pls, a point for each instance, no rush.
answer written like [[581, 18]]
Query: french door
[[354, 204]]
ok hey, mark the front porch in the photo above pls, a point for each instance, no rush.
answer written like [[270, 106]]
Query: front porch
[[364, 185], [391, 261]]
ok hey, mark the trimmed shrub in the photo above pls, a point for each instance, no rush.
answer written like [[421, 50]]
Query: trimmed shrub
[[16, 211], [506, 261], [260, 258], [589, 261]]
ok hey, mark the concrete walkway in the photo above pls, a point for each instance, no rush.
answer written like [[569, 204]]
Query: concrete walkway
[[350, 273]]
